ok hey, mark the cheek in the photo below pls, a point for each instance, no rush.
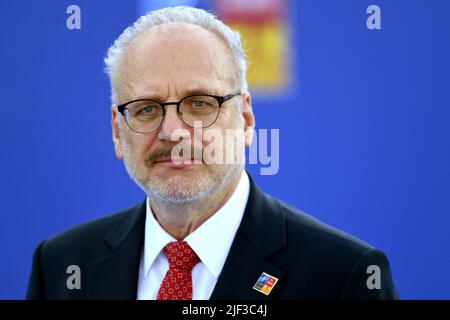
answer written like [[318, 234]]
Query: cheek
[[139, 145], [226, 121], [232, 118]]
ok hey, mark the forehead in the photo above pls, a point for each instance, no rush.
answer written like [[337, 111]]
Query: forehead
[[178, 56]]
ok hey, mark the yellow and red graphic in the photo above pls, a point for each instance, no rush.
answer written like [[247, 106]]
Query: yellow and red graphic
[[262, 25]]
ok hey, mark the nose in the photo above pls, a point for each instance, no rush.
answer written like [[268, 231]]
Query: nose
[[171, 124]]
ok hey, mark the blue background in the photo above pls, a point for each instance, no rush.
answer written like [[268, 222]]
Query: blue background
[[364, 131]]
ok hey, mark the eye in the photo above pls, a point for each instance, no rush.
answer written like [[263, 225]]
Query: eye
[[148, 109], [198, 104]]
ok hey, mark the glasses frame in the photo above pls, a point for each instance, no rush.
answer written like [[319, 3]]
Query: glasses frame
[[220, 99]]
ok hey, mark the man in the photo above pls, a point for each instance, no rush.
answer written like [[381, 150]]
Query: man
[[205, 230]]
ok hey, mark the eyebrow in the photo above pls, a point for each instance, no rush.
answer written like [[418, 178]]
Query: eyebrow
[[185, 93], [199, 90]]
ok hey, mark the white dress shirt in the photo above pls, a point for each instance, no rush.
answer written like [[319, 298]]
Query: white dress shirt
[[211, 241]]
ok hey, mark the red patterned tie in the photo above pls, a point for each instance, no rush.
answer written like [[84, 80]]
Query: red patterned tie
[[177, 284]]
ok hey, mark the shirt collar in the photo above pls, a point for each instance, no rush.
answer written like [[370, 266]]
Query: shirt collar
[[211, 240]]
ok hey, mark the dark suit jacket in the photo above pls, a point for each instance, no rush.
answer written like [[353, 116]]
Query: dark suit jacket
[[310, 259]]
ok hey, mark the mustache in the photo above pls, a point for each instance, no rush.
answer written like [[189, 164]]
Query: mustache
[[165, 152]]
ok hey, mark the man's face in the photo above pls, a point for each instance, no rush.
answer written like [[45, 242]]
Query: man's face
[[168, 63]]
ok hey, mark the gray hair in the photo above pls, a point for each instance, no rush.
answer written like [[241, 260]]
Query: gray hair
[[181, 14]]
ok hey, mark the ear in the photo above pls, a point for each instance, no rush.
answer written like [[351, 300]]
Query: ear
[[116, 132], [249, 118]]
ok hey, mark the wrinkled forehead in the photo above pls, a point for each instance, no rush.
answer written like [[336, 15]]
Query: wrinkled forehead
[[174, 55]]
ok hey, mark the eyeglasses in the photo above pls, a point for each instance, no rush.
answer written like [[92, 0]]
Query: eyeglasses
[[145, 115]]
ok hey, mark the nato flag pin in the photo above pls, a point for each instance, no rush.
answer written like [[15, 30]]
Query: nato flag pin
[[265, 283]]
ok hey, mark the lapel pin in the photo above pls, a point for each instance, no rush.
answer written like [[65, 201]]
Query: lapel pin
[[265, 283]]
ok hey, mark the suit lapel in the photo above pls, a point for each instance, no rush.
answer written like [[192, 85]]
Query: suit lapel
[[261, 234], [115, 276]]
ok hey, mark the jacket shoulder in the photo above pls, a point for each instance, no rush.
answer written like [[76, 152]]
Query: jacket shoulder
[[308, 229], [85, 236], [79, 246], [329, 263]]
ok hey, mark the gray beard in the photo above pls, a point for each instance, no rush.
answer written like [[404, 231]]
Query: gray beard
[[159, 192]]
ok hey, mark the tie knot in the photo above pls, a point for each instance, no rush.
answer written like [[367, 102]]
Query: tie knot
[[180, 256]]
